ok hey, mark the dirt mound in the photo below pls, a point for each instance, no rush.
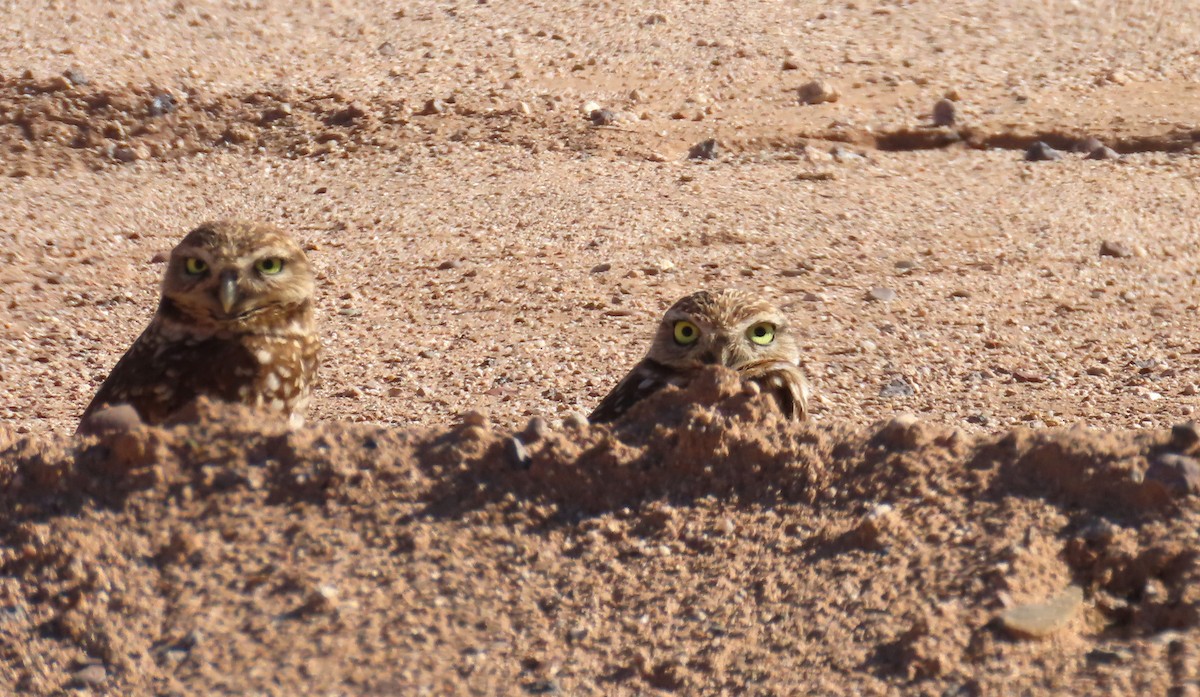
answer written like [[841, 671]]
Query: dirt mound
[[231, 554]]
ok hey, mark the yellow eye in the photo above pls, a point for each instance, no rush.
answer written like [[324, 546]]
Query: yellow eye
[[195, 266], [686, 333], [269, 266], [762, 333]]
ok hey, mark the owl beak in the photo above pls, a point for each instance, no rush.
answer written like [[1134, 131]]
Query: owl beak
[[228, 292], [718, 354]]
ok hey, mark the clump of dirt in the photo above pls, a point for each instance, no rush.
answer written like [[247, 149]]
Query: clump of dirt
[[703, 544]]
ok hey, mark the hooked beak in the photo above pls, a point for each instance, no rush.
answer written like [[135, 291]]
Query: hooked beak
[[227, 293], [716, 355]]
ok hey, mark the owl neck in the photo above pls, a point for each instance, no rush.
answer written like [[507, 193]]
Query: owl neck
[[274, 319]]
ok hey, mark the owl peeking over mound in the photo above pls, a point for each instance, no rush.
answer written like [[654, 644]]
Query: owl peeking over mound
[[234, 324], [732, 328]]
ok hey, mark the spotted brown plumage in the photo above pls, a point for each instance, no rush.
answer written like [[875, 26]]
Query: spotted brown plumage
[[725, 327], [234, 323]]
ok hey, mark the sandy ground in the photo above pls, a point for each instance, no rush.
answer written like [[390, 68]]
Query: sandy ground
[[483, 246]]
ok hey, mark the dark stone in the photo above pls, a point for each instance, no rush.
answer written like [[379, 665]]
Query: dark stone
[[1115, 249], [518, 455], [704, 150], [602, 117], [1185, 436], [1041, 152], [944, 113]]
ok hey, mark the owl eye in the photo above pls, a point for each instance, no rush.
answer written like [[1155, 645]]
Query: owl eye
[[269, 266], [762, 333], [686, 333], [194, 266]]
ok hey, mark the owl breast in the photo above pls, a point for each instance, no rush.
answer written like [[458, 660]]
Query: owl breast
[[283, 371]]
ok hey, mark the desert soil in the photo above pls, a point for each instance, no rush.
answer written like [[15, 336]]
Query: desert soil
[[990, 498]]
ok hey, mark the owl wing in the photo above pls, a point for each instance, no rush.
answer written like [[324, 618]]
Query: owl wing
[[645, 379], [784, 381], [158, 376]]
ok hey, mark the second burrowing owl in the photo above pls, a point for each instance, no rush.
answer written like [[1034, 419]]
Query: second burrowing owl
[[234, 324], [726, 327]]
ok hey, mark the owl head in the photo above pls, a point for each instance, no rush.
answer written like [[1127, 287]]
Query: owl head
[[231, 275], [732, 328]]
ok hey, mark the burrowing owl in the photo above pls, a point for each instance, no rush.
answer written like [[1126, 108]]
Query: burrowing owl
[[234, 323], [725, 327]]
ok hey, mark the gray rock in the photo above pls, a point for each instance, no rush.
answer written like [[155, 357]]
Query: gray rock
[[1040, 620], [1103, 153], [944, 113], [518, 455], [881, 294], [1178, 474], [117, 418], [602, 117], [535, 430], [897, 387], [94, 674], [705, 150], [1041, 152]]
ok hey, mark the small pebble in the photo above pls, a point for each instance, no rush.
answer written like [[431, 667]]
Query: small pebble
[[518, 455], [321, 600], [451, 264], [1115, 249], [535, 430], [433, 106], [126, 154], [94, 674], [818, 92], [1103, 153], [897, 387], [1021, 375], [602, 117], [1088, 145], [162, 103], [789, 64], [704, 150], [575, 420], [112, 419], [601, 268], [1040, 620], [77, 78], [944, 113], [881, 294], [1041, 152]]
